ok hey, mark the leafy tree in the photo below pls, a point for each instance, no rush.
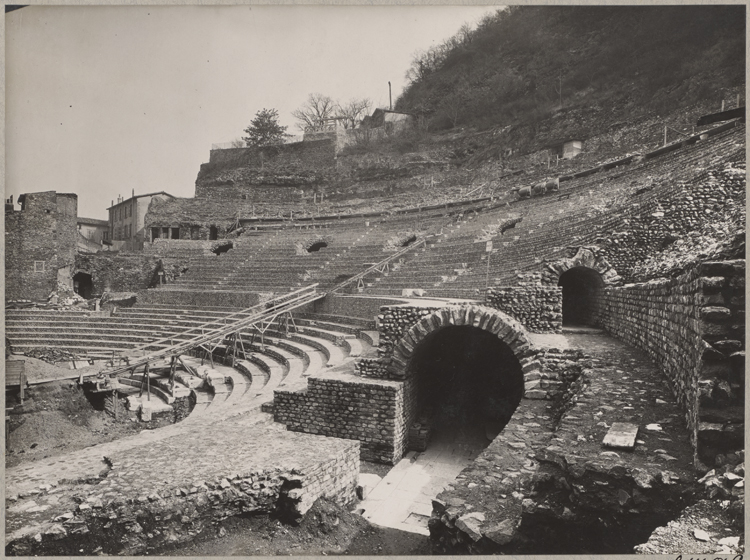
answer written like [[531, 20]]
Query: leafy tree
[[315, 112], [265, 130]]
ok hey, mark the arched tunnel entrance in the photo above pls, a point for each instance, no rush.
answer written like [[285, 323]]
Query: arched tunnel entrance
[[468, 383], [83, 285], [579, 288]]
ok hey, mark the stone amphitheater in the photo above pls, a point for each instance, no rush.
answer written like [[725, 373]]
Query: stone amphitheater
[[536, 369]]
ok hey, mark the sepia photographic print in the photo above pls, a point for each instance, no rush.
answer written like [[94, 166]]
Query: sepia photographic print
[[375, 280]]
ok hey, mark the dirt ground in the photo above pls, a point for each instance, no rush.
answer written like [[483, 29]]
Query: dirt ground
[[54, 419], [326, 530]]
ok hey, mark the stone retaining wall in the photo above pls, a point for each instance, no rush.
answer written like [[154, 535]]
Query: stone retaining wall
[[538, 308], [258, 174], [693, 327], [170, 491], [241, 300], [349, 407]]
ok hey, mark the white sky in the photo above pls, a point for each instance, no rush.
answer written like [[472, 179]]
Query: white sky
[[101, 100]]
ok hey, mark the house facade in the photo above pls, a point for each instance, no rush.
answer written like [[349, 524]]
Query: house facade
[[127, 230]]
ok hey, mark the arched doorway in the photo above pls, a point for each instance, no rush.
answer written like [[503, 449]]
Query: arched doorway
[[579, 288], [468, 384], [83, 285], [317, 246]]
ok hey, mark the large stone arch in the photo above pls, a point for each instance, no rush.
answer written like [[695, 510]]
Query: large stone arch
[[584, 257], [500, 324]]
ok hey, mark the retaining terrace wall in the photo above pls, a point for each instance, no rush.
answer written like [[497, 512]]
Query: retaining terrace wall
[[348, 407], [693, 327], [256, 174], [538, 308]]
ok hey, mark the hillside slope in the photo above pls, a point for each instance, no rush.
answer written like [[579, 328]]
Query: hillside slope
[[526, 64]]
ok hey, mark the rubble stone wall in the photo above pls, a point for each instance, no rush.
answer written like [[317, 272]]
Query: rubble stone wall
[[349, 407], [668, 217], [119, 272], [693, 327], [265, 469], [45, 232], [538, 308], [255, 174]]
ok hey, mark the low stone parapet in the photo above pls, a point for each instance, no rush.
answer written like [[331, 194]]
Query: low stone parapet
[[169, 490], [348, 406]]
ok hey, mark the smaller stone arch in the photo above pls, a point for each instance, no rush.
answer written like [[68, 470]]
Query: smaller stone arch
[[312, 244], [584, 257], [507, 329]]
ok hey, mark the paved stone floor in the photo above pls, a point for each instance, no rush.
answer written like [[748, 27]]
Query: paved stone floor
[[403, 499]]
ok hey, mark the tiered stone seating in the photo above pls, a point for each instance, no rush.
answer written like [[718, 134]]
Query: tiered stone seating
[[455, 265]]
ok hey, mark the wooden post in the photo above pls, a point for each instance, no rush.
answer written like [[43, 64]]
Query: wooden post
[[738, 101], [722, 105], [148, 383], [171, 374]]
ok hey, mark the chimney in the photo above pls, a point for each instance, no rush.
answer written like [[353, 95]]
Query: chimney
[[390, 99]]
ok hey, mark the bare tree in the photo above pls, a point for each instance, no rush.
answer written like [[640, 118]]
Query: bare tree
[[453, 105], [353, 111], [316, 110]]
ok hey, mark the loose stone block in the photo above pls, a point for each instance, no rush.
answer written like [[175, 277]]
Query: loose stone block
[[621, 435]]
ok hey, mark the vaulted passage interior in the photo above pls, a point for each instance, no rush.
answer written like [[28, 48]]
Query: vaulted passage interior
[[579, 287], [465, 379]]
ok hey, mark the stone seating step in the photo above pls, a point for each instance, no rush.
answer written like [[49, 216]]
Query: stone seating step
[[337, 337], [315, 359], [78, 333], [371, 337], [327, 325], [72, 345], [334, 354], [360, 322], [354, 347], [157, 394], [259, 376]]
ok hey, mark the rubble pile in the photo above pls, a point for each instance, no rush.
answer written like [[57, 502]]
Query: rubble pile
[[50, 355], [714, 524]]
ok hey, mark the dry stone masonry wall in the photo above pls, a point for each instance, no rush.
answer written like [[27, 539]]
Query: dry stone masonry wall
[[348, 407], [538, 308], [693, 327]]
